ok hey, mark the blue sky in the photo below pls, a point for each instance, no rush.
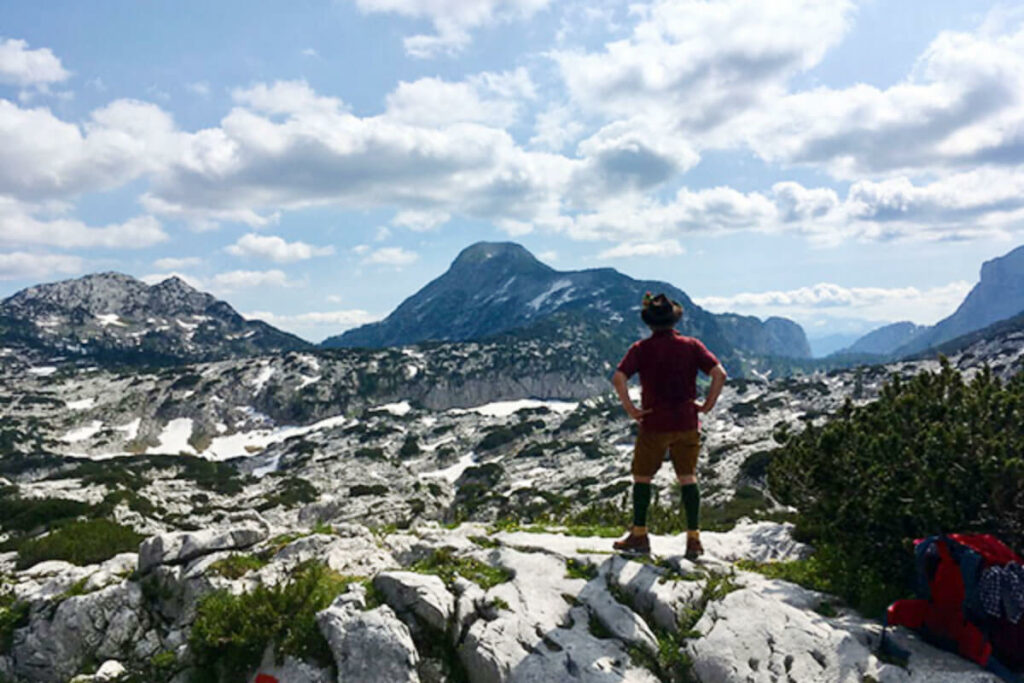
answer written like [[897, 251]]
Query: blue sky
[[314, 163]]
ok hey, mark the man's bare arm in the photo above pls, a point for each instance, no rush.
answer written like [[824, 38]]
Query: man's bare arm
[[717, 382], [620, 381]]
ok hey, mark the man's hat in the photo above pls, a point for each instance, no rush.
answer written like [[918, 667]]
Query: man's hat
[[660, 311]]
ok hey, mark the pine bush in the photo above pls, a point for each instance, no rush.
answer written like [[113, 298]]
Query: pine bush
[[933, 454]]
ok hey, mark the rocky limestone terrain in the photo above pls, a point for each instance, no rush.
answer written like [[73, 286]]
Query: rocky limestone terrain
[[453, 524], [470, 603]]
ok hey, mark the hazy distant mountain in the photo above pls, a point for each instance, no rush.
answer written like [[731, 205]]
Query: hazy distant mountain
[[998, 295], [118, 318], [773, 337], [495, 288], [886, 339]]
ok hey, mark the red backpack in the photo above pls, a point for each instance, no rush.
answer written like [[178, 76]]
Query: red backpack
[[950, 613]]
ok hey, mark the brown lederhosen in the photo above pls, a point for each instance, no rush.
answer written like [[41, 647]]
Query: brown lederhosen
[[649, 452]]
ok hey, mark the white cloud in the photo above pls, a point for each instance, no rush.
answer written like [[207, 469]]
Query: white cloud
[[420, 221], [656, 249], [453, 19], [556, 127], [247, 279], [286, 97], [320, 154], [317, 324], [495, 99], [699, 64], [276, 249], [549, 256], [391, 256], [923, 306], [23, 265], [43, 157], [634, 154], [961, 106], [23, 67], [201, 88], [309, 52], [347, 318], [177, 263], [19, 227]]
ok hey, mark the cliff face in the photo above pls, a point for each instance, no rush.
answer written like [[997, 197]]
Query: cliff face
[[773, 337], [998, 295]]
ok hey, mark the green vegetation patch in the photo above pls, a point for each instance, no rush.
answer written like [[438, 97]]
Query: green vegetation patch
[[444, 563], [367, 490], [25, 515], [290, 492], [13, 615], [933, 453], [576, 569], [80, 542], [236, 566], [232, 631]]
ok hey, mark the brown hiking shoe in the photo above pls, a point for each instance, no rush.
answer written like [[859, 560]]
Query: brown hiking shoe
[[694, 549], [637, 544]]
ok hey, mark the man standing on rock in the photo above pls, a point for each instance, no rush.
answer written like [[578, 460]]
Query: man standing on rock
[[668, 363]]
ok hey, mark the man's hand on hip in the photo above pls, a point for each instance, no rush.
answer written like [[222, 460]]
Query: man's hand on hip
[[636, 413]]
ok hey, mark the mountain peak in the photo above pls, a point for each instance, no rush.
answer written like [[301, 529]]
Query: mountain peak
[[498, 255], [118, 315]]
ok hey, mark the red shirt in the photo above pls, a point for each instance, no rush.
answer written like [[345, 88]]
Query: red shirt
[[668, 363]]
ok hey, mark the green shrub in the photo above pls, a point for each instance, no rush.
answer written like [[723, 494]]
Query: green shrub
[[13, 615], [212, 476], [236, 566], [755, 467], [81, 543], [932, 454], [232, 631], [410, 447], [370, 453], [367, 490], [290, 492], [30, 514]]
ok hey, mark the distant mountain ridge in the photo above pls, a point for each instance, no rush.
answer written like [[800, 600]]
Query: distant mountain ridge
[[998, 295], [501, 288], [119, 318], [886, 339]]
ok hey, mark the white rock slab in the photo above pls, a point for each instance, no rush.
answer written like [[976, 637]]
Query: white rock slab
[[370, 647], [424, 595]]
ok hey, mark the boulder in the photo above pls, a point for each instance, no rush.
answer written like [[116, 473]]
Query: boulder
[[424, 595], [102, 625], [788, 640], [182, 547], [369, 646]]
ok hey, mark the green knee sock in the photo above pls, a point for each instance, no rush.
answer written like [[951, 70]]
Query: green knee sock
[[691, 503], [641, 501]]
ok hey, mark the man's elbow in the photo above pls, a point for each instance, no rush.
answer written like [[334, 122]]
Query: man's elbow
[[719, 372]]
